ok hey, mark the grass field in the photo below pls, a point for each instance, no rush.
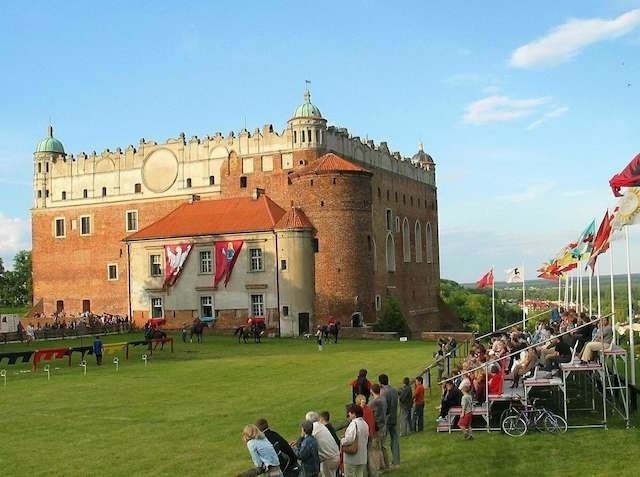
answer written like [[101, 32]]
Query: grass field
[[184, 412]]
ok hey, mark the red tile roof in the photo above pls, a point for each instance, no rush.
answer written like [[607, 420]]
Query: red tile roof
[[295, 218], [210, 217], [330, 162]]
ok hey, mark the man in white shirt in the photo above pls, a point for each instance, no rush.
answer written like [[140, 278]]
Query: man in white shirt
[[327, 448]]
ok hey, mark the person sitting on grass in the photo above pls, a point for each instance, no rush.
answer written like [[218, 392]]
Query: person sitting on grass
[[306, 448], [262, 453]]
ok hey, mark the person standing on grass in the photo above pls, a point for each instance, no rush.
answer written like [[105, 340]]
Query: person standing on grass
[[328, 450], [306, 448], [405, 399], [319, 338], [361, 385], [390, 394], [97, 350], [467, 412], [379, 407], [281, 446], [325, 419], [184, 332], [417, 419], [262, 453], [369, 418], [357, 431]]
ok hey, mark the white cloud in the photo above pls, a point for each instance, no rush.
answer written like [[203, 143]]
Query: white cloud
[[501, 109], [554, 113], [14, 236], [567, 40], [530, 193]]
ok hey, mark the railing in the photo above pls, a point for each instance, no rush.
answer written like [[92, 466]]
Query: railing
[[45, 334], [517, 323]]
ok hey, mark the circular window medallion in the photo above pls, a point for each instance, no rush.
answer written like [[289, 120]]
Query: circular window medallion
[[160, 170]]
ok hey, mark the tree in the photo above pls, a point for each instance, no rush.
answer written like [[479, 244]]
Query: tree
[[16, 287], [392, 318]]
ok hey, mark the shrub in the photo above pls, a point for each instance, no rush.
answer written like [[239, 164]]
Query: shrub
[[392, 318]]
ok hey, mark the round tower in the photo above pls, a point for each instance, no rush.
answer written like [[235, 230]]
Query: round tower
[[336, 197], [307, 125], [47, 152]]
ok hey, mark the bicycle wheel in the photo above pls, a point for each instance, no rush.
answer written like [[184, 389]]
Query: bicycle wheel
[[554, 423], [510, 411], [514, 426]]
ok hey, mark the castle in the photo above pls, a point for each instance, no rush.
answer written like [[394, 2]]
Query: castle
[[325, 224]]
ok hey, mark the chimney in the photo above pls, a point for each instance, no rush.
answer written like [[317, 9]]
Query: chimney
[[257, 192]]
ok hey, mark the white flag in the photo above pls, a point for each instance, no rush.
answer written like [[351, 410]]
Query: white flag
[[514, 275]]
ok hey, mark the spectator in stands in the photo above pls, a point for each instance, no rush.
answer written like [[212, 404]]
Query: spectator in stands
[[262, 453], [31, 334], [405, 399], [417, 418], [379, 407], [561, 354], [480, 385], [97, 350], [325, 419], [526, 364], [286, 456], [328, 450], [496, 379], [451, 396], [391, 396], [357, 431], [601, 339], [361, 385], [306, 448]]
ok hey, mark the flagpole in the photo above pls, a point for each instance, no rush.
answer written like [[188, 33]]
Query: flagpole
[[632, 358], [613, 302], [590, 294], [559, 289], [493, 299], [581, 298], [524, 315], [598, 287], [566, 291]]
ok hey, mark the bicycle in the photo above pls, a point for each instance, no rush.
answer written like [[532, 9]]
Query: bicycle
[[531, 417]]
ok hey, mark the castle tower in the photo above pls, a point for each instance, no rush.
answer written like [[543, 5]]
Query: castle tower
[[307, 125], [336, 197], [48, 151]]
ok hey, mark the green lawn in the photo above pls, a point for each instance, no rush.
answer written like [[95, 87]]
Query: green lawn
[[184, 412]]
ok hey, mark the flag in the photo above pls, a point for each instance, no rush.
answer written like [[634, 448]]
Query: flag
[[627, 210], [629, 177], [514, 275], [486, 280], [174, 258], [584, 244], [226, 254], [601, 241]]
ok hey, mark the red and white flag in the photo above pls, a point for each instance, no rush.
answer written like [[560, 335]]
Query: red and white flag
[[174, 258], [226, 254], [486, 280], [601, 242]]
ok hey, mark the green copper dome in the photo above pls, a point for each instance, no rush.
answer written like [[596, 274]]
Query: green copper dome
[[50, 144], [307, 109]]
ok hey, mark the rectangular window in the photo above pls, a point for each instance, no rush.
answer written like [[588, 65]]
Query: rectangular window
[[85, 193], [112, 271], [256, 264], [155, 265], [267, 163], [388, 219], [64, 195], [205, 261], [104, 192], [59, 228], [85, 225], [212, 180], [157, 310], [247, 165], [287, 161], [188, 183], [285, 310], [257, 305], [206, 307], [315, 245], [243, 182], [283, 264], [137, 188], [132, 220]]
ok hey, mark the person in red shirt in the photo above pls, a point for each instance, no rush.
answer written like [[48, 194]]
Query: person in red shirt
[[417, 417]]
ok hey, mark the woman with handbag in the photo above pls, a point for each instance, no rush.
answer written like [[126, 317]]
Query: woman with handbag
[[354, 443]]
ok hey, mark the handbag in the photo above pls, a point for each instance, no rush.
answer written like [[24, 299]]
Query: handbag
[[353, 447]]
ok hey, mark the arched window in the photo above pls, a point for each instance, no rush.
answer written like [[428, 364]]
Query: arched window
[[418, 235], [391, 253], [406, 241], [429, 243]]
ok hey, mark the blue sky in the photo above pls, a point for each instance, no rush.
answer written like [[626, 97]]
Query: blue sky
[[528, 108]]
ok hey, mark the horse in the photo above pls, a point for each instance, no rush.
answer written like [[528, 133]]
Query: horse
[[152, 333], [332, 329], [254, 331], [197, 328]]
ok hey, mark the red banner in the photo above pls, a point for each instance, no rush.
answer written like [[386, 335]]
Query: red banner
[[174, 258], [226, 255]]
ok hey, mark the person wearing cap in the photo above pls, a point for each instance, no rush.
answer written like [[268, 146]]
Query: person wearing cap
[[263, 454], [306, 449]]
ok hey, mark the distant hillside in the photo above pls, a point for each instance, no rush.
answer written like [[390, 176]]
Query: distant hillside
[[539, 283]]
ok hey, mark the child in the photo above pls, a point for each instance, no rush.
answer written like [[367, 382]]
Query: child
[[467, 412], [184, 332], [319, 338]]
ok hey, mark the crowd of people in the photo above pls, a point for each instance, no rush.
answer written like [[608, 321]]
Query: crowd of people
[[378, 415], [58, 323]]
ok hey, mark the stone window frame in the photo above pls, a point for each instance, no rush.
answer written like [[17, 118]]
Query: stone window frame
[[258, 259], [152, 264], [156, 302], [429, 244], [398, 228], [378, 302], [83, 234], [406, 241], [203, 304], [390, 249], [388, 219], [418, 244], [55, 227], [258, 305], [113, 266], [126, 220], [202, 261]]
